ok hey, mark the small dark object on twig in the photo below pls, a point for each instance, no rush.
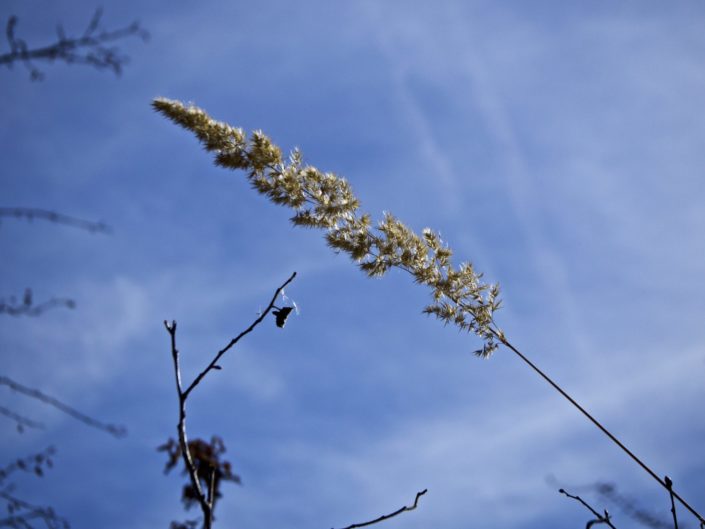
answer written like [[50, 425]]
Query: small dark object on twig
[[90, 48], [669, 486], [281, 314]]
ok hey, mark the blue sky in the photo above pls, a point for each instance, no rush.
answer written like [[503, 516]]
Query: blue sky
[[559, 146]]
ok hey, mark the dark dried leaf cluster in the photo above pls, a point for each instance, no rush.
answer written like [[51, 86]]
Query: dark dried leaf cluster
[[207, 460]]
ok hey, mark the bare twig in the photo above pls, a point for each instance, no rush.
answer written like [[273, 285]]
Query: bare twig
[[28, 308], [90, 48], [669, 485], [21, 421], [32, 463], [600, 518], [263, 315], [628, 506], [112, 429], [206, 500], [502, 339], [30, 214], [21, 512], [384, 517]]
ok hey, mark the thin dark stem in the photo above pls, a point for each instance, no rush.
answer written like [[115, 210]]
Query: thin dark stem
[[181, 426], [47, 514], [600, 518], [244, 333], [35, 213], [500, 336], [390, 515], [669, 485], [112, 429], [29, 463], [21, 421]]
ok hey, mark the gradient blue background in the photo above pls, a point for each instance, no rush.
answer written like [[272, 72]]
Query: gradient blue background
[[559, 146]]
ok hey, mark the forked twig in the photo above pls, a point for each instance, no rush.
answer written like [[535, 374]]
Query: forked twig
[[206, 500], [600, 517]]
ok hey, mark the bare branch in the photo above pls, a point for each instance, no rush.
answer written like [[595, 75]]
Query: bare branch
[[181, 426], [669, 485], [90, 48], [390, 515], [112, 429], [600, 518], [206, 500], [28, 308], [36, 213], [21, 421], [32, 463], [20, 512], [262, 316]]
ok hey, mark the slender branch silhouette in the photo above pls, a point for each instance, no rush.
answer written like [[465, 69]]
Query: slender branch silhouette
[[112, 429], [21, 512], [28, 308], [30, 214], [502, 339], [21, 421], [326, 201], [204, 468], [669, 485], [33, 463], [601, 518], [384, 517], [90, 48]]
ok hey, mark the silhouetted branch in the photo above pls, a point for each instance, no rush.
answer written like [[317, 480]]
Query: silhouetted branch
[[600, 518], [30, 214], [32, 463], [21, 512], [625, 504], [669, 485], [206, 500], [28, 308], [390, 515], [503, 340], [90, 48], [21, 421], [214, 362], [115, 430]]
